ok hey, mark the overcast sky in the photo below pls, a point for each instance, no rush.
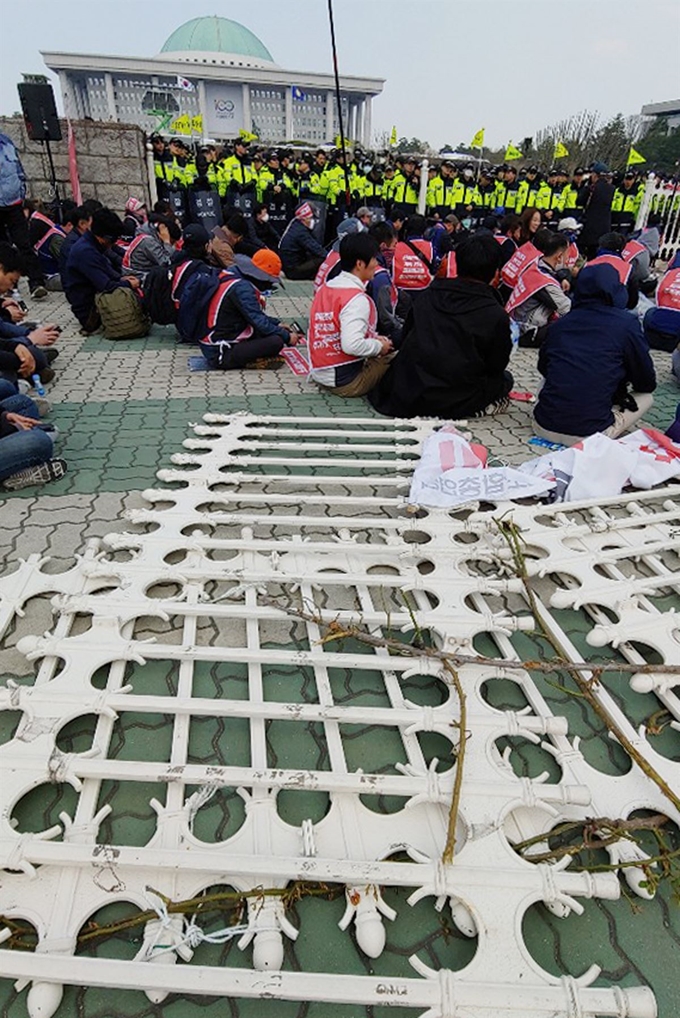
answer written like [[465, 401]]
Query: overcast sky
[[452, 66]]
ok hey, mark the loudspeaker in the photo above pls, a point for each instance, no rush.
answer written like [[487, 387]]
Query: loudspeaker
[[40, 112]]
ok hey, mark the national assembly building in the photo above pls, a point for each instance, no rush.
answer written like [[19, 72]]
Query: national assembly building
[[218, 76]]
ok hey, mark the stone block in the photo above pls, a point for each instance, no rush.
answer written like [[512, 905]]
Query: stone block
[[33, 166], [113, 195], [95, 168], [124, 171], [132, 144], [105, 142]]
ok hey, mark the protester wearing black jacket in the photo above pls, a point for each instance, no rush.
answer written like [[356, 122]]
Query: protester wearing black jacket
[[597, 218], [456, 345]]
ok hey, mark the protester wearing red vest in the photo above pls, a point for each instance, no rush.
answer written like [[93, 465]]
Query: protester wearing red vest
[[346, 355], [662, 323], [610, 252], [538, 296]]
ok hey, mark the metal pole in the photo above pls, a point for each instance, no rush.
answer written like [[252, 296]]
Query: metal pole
[[422, 193], [53, 179], [348, 196]]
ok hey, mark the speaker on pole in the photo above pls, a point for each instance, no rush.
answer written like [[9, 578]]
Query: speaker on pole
[[40, 111]]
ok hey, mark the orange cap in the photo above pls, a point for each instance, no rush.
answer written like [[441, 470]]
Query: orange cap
[[268, 261]]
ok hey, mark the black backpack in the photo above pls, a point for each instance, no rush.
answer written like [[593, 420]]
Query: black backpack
[[158, 302]]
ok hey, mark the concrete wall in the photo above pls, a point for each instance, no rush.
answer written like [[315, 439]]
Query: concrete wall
[[111, 161]]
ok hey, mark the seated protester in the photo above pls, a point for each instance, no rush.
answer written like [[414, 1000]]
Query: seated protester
[[47, 238], [301, 253], [237, 330], [455, 346], [164, 285], [413, 267], [330, 266], [610, 252], [89, 270], [153, 245], [26, 447], [381, 289], [539, 297], [510, 229], [662, 323], [445, 235], [37, 341], [79, 220], [227, 241], [346, 355], [642, 249], [262, 229], [589, 359], [135, 216]]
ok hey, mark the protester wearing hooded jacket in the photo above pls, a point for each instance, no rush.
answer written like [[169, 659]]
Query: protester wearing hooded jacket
[[455, 346], [152, 245], [590, 360]]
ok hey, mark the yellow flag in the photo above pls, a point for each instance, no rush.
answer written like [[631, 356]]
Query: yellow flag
[[478, 140], [393, 136], [513, 153], [338, 141], [634, 157], [247, 135], [561, 150], [197, 124], [181, 125]]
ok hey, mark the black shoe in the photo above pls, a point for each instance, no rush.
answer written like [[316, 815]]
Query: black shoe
[[51, 353], [39, 293], [46, 375]]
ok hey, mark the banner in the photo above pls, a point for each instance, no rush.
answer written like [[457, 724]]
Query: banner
[[73, 167], [478, 140], [298, 94], [185, 84], [197, 124], [224, 109]]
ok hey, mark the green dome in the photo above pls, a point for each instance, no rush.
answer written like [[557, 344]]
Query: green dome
[[216, 35]]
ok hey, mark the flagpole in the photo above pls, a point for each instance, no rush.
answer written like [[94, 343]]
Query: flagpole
[[348, 197]]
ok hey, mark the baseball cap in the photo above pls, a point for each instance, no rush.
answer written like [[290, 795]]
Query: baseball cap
[[195, 235], [134, 205], [569, 224], [268, 261], [248, 268]]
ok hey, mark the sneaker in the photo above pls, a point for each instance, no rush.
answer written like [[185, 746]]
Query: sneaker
[[44, 406], [52, 470], [46, 375], [39, 293], [50, 353], [23, 386], [499, 407]]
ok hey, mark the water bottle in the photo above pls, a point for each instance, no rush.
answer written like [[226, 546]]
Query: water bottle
[[37, 385], [514, 334]]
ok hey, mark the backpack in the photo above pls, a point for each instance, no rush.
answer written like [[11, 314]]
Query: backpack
[[122, 314], [192, 317], [158, 302]]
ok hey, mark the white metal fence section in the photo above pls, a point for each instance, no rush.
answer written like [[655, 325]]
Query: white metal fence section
[[271, 529], [663, 198]]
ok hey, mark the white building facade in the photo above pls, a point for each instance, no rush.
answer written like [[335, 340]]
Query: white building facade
[[216, 69]]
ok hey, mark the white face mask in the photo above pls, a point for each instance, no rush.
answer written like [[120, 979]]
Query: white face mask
[[264, 218]]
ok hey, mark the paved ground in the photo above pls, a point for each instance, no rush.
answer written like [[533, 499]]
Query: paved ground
[[122, 409]]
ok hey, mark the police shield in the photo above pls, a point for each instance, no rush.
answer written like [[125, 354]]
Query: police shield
[[243, 203], [205, 208], [279, 212], [176, 200]]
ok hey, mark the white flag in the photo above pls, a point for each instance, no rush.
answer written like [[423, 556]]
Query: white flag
[[184, 84]]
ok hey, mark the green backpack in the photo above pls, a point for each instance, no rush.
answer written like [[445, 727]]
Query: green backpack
[[122, 314]]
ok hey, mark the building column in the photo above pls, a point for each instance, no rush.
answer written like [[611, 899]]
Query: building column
[[203, 106], [330, 106], [368, 102], [247, 110], [289, 112], [110, 97], [358, 128]]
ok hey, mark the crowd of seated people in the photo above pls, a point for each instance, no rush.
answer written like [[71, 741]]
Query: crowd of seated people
[[417, 314]]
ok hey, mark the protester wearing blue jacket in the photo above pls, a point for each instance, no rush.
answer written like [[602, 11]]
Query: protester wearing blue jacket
[[89, 269], [591, 359]]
